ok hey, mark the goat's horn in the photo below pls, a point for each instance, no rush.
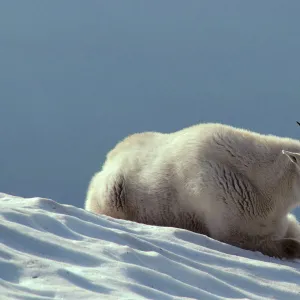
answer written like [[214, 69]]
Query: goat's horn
[[298, 123]]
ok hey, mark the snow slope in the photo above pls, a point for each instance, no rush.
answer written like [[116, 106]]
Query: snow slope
[[54, 251]]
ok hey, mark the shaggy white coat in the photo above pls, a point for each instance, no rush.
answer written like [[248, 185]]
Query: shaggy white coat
[[231, 184]]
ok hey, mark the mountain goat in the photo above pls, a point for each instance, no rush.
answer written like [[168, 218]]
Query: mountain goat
[[233, 185]]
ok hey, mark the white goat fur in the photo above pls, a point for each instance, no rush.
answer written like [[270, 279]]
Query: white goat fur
[[231, 184]]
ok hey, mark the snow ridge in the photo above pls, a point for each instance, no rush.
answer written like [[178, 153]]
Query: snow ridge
[[54, 251]]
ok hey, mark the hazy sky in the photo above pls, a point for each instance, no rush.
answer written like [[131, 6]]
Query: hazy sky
[[77, 76]]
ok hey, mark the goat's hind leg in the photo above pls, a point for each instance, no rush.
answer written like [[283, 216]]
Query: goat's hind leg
[[288, 246], [293, 230]]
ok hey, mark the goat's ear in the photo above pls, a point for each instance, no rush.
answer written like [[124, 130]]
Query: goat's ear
[[293, 156]]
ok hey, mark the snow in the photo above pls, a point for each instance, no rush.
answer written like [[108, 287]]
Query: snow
[[54, 251]]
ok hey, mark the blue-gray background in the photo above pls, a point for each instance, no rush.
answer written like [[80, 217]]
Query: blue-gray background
[[77, 76]]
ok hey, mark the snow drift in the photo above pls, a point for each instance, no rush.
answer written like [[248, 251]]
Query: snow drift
[[54, 251]]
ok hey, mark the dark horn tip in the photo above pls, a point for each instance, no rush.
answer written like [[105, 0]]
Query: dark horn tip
[[298, 123]]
